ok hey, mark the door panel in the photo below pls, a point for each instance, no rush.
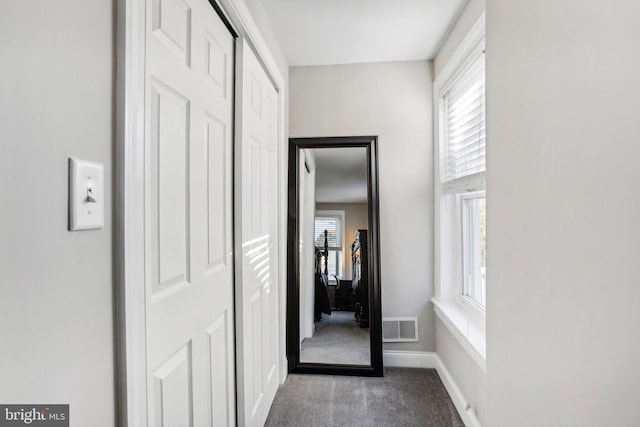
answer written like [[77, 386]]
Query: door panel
[[256, 270], [221, 362], [170, 125], [172, 390], [217, 183], [188, 201]]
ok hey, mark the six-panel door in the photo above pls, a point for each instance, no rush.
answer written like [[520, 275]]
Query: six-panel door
[[188, 215]]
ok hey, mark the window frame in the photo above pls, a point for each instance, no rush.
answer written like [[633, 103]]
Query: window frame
[[459, 314], [464, 297]]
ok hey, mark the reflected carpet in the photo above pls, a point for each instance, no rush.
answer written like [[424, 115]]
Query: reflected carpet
[[339, 340]]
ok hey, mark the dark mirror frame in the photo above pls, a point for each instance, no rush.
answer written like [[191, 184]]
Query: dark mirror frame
[[293, 262]]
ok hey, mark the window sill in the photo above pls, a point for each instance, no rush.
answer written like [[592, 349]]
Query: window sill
[[469, 330]]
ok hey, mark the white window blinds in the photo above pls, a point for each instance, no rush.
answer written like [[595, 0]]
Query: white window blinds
[[334, 229], [464, 152]]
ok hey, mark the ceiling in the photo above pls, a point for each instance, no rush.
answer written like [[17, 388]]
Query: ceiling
[[327, 32], [341, 174]]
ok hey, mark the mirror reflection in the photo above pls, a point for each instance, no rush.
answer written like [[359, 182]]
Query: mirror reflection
[[333, 254]]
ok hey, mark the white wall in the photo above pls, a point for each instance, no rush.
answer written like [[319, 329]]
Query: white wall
[[355, 217], [468, 375], [56, 309], [393, 101], [563, 213]]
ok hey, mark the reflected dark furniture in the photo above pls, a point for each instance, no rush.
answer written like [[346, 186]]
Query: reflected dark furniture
[[360, 260], [322, 303], [345, 295]]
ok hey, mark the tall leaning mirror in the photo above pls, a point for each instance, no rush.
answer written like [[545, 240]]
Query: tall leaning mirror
[[333, 298]]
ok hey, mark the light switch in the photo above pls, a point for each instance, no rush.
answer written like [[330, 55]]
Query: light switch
[[86, 195]]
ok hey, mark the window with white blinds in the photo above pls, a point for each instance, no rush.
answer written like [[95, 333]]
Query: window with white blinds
[[463, 157], [333, 225], [334, 231], [460, 195]]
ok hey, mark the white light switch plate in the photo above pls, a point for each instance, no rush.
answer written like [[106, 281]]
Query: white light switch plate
[[86, 195]]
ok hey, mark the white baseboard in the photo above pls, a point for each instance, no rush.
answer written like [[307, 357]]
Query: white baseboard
[[431, 360], [459, 401], [409, 359]]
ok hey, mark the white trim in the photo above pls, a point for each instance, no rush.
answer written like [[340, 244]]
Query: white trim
[[409, 359], [459, 400], [467, 330], [473, 37], [129, 199], [431, 360], [463, 296], [129, 214]]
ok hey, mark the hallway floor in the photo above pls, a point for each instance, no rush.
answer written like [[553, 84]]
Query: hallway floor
[[404, 397]]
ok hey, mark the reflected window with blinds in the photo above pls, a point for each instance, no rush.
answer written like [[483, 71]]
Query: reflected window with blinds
[[333, 225]]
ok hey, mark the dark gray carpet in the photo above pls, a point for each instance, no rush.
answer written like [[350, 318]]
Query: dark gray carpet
[[404, 397], [339, 340]]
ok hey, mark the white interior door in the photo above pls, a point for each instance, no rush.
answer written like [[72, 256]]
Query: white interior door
[[188, 215], [256, 234]]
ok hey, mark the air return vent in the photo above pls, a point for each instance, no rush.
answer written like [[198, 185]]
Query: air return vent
[[400, 329]]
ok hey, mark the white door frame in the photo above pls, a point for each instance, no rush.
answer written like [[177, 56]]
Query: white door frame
[[129, 196]]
